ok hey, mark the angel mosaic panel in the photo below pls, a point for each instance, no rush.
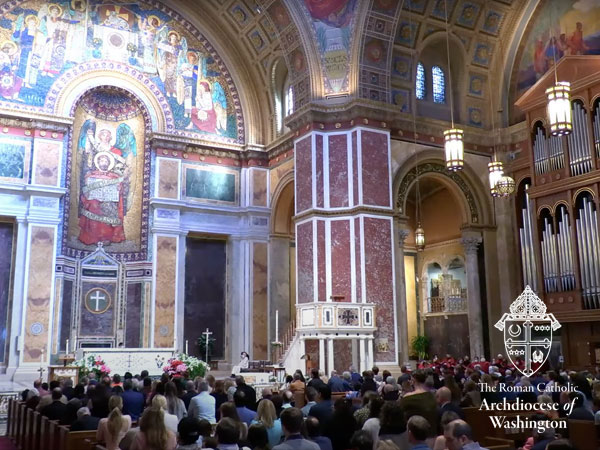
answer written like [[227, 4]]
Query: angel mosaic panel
[[41, 40]]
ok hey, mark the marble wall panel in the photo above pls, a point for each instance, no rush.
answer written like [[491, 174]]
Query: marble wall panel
[[204, 307], [342, 350], [259, 187], [6, 252], [379, 279], [278, 172], [321, 263], [311, 347], [279, 280], [39, 292], [168, 178], [165, 291], [47, 162], [133, 312], [303, 176], [319, 174], [358, 256], [65, 313], [304, 259], [375, 168], [341, 283], [448, 334], [97, 324], [338, 170], [260, 311]]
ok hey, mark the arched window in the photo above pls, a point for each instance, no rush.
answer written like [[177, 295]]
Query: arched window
[[420, 85], [438, 80], [289, 101]]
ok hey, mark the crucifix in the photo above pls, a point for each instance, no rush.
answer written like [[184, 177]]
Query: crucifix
[[207, 334]]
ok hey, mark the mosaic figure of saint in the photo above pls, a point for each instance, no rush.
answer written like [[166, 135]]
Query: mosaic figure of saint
[[106, 194], [172, 49], [31, 39]]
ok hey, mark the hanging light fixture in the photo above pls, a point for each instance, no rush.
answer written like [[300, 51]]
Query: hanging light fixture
[[505, 186], [453, 138], [559, 102], [420, 238], [496, 171], [559, 107]]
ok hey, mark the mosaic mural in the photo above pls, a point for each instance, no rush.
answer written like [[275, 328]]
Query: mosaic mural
[[562, 27], [107, 174], [39, 41], [333, 24], [14, 159]]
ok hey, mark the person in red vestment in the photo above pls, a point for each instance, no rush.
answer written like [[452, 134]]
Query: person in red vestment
[[576, 42]]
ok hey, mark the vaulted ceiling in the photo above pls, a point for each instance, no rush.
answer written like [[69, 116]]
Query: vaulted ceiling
[[386, 39]]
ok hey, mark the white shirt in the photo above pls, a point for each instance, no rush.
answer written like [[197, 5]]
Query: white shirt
[[202, 406]]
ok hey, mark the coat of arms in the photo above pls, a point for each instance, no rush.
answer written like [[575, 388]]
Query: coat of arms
[[528, 332]]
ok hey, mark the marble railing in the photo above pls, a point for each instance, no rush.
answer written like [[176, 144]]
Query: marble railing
[[330, 315]]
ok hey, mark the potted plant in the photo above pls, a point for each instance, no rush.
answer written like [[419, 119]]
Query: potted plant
[[420, 345]]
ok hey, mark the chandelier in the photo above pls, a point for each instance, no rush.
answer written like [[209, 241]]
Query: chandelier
[[453, 138], [505, 186]]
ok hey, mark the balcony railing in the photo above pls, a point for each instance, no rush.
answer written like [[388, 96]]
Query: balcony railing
[[332, 315], [443, 305]]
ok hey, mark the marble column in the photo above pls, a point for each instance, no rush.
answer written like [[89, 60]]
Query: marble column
[[470, 243], [17, 308], [322, 365], [401, 311], [344, 224], [238, 298], [370, 361], [279, 284], [362, 355], [330, 357]]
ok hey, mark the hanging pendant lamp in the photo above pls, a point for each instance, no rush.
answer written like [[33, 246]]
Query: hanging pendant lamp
[[420, 238], [505, 186], [496, 171], [453, 138], [559, 108]]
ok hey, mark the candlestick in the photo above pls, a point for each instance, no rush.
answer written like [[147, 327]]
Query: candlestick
[[186, 346], [277, 325], [67, 347], [42, 357]]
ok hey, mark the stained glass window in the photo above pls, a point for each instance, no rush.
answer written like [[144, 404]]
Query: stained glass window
[[438, 80], [289, 101], [420, 81]]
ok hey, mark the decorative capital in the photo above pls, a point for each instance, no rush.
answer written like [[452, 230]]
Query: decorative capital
[[471, 243], [402, 235]]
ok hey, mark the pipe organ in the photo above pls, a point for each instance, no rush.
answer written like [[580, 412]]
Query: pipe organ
[[557, 200]]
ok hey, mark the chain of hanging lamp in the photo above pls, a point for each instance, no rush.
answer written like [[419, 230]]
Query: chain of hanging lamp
[[419, 231], [453, 138]]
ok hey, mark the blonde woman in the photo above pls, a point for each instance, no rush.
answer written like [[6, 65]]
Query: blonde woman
[[171, 421], [111, 430], [267, 416], [153, 434]]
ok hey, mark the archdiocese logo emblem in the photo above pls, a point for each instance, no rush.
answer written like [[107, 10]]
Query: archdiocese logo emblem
[[528, 332]]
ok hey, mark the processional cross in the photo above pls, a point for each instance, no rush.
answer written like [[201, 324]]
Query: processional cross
[[98, 297], [207, 333]]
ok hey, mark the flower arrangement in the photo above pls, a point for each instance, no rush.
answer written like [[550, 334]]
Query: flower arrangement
[[186, 366], [92, 364]]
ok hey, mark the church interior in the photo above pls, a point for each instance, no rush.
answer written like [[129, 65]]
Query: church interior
[[327, 183]]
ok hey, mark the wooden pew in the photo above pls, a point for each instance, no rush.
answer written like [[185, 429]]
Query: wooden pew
[[10, 418], [27, 438], [21, 411], [336, 395], [35, 431], [59, 434], [583, 434], [46, 437], [480, 423], [492, 443], [76, 440]]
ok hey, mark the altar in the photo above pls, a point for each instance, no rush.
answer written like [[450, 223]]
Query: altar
[[134, 360]]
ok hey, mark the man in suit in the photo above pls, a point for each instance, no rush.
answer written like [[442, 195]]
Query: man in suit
[[323, 410], [133, 401], [291, 422], [190, 392], [85, 421], [57, 409], [459, 436], [248, 391], [443, 397]]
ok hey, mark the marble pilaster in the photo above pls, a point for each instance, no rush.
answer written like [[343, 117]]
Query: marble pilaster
[[401, 312]]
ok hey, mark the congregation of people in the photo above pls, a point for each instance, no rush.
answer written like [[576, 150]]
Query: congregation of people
[[420, 409]]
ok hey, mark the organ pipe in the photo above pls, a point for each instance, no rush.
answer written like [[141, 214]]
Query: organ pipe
[[580, 153], [589, 254], [526, 240]]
